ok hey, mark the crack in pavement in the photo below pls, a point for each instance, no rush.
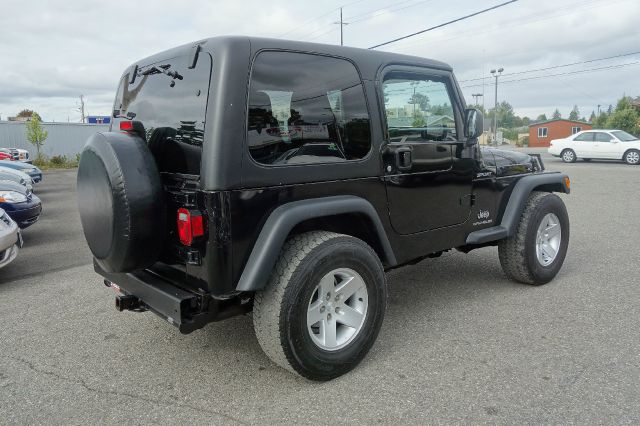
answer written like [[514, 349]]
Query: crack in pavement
[[82, 383]]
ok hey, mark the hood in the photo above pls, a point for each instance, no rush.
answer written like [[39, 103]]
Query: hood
[[507, 162], [17, 165], [6, 185]]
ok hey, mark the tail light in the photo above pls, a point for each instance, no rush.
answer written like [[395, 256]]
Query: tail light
[[190, 225], [131, 126]]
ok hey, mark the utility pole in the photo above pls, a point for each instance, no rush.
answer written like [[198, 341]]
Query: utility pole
[[476, 96], [495, 109], [598, 110], [81, 109], [342, 24]]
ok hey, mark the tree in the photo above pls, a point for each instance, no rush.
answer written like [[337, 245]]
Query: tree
[[556, 114], [36, 135], [592, 117], [526, 121], [542, 117], [625, 117], [601, 121], [25, 113], [421, 100], [575, 113]]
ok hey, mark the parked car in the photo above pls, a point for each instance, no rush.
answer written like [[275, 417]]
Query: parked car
[[16, 176], [22, 205], [21, 155], [5, 154], [597, 144], [199, 222], [30, 169], [10, 239]]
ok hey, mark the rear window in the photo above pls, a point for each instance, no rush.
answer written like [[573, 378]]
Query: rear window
[[306, 108], [170, 100]]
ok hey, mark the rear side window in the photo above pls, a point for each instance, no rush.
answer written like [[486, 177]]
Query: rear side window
[[170, 100], [585, 137], [306, 108]]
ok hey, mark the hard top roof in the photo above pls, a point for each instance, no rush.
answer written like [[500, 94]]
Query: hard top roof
[[362, 57]]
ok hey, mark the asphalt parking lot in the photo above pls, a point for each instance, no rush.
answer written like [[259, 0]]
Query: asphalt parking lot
[[460, 343]]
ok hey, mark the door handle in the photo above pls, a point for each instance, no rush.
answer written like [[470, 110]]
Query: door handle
[[403, 156]]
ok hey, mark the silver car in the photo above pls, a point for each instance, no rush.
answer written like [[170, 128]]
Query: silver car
[[10, 239]]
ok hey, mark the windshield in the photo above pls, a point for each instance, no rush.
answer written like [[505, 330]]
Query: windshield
[[624, 136]]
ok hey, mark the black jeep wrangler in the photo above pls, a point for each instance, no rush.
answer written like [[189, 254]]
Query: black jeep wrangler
[[284, 178]]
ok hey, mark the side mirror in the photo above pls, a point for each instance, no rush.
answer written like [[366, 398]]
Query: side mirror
[[473, 124]]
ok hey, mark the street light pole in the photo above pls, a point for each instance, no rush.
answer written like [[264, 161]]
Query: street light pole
[[476, 96], [495, 109]]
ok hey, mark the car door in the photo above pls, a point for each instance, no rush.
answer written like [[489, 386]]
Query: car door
[[583, 145], [428, 184], [605, 146]]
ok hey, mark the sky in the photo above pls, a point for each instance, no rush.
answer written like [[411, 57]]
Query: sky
[[54, 51]]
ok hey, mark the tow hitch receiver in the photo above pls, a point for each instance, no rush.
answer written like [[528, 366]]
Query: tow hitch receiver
[[127, 302]]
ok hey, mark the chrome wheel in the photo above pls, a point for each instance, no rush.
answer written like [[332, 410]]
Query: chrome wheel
[[548, 239], [632, 157], [337, 309], [568, 156]]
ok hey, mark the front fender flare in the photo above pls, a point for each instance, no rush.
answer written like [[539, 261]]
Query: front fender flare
[[551, 182], [284, 218]]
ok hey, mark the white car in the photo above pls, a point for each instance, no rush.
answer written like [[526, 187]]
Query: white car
[[10, 239], [597, 144]]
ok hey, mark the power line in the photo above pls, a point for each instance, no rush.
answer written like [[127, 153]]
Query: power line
[[561, 74], [445, 23], [308, 21], [556, 66], [521, 21], [394, 8]]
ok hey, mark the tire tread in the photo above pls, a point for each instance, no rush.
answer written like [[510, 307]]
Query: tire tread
[[266, 305]]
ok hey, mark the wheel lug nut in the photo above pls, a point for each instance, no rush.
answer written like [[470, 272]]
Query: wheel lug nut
[[328, 317], [322, 308], [337, 297]]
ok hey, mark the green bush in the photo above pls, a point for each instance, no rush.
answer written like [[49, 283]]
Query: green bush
[[58, 160]]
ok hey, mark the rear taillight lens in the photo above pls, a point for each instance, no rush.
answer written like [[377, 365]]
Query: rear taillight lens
[[190, 225], [126, 126]]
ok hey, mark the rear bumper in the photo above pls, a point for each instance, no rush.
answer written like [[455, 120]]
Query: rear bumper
[[186, 310]]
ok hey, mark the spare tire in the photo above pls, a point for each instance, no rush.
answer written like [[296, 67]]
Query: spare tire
[[121, 202]]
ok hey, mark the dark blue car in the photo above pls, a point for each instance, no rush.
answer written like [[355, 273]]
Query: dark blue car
[[30, 169], [20, 203]]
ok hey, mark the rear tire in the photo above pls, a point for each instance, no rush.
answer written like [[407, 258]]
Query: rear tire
[[536, 252], [632, 157], [295, 313], [568, 156]]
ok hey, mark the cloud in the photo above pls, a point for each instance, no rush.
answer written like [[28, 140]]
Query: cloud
[[52, 54]]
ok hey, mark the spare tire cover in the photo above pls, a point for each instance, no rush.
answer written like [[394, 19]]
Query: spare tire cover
[[121, 202]]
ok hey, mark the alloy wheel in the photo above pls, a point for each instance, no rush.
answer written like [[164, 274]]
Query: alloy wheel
[[337, 309], [548, 239]]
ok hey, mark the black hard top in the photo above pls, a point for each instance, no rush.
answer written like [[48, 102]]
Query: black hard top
[[368, 61]]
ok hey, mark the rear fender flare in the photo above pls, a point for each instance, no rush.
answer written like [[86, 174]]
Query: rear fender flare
[[284, 218]]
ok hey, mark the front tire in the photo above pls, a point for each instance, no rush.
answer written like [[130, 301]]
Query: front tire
[[536, 252], [323, 307], [568, 156], [632, 157]]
